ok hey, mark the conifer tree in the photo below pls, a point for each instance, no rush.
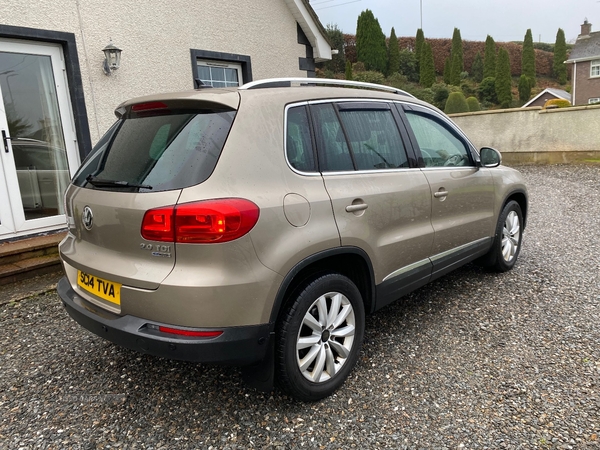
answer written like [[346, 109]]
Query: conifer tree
[[560, 56], [427, 75], [477, 68], [524, 88], [528, 58], [447, 71], [393, 54], [489, 58], [419, 40], [349, 70], [457, 64], [503, 79], [337, 63], [370, 42]]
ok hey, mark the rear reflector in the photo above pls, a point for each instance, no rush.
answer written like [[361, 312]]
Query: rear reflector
[[204, 222], [190, 333]]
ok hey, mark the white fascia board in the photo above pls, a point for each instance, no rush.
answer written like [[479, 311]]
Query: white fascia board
[[321, 48]]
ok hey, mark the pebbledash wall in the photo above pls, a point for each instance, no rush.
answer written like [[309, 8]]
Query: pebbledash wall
[[535, 135], [156, 38]]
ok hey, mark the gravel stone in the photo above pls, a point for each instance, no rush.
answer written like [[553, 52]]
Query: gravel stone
[[475, 360]]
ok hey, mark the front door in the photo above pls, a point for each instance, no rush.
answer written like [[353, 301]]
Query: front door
[[38, 148]]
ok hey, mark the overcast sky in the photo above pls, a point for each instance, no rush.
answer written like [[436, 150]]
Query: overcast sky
[[505, 20]]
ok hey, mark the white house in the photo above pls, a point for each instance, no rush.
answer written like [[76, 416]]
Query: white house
[[57, 96]]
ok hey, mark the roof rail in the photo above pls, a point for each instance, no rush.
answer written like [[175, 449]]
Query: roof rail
[[287, 82]]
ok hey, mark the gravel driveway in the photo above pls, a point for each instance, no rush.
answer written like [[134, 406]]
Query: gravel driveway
[[474, 361]]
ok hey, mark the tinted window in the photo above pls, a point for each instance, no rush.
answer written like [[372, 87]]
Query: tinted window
[[439, 145], [166, 152], [374, 139], [299, 147], [334, 155]]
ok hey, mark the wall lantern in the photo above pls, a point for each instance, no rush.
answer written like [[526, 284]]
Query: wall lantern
[[112, 58]]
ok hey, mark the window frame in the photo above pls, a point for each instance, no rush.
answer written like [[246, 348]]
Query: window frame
[[594, 101], [411, 156], [595, 67], [242, 61], [472, 153]]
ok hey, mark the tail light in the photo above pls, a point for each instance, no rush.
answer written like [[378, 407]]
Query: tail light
[[209, 221]]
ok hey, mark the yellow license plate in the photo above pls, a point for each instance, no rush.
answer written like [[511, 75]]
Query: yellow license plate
[[105, 289]]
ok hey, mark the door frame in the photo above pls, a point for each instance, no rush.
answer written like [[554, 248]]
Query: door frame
[[68, 47]]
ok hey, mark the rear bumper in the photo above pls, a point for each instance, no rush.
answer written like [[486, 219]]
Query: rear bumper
[[237, 345]]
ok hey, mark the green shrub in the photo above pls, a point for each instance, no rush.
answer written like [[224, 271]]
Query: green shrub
[[473, 104], [557, 103], [525, 86], [349, 70], [456, 103], [369, 76], [358, 67], [397, 80], [487, 90], [440, 94]]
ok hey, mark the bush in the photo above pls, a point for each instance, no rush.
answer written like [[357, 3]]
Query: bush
[[440, 95], [557, 103], [396, 80], [456, 103], [468, 88], [473, 104], [487, 90], [369, 76], [358, 67]]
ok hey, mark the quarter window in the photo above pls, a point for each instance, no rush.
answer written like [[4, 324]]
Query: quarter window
[[438, 144], [595, 68], [299, 149], [334, 154]]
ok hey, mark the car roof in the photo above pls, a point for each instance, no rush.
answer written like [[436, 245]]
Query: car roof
[[286, 90]]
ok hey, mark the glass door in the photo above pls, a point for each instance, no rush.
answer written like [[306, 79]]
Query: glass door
[[38, 145]]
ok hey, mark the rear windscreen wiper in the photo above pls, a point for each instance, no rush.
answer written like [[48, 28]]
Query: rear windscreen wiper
[[98, 182]]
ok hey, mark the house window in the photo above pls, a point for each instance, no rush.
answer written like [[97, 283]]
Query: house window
[[219, 69], [595, 68], [215, 74], [594, 100]]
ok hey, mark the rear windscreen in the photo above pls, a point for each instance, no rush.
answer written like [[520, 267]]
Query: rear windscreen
[[158, 152]]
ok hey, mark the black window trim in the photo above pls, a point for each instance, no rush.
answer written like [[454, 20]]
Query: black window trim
[[75, 84], [243, 60]]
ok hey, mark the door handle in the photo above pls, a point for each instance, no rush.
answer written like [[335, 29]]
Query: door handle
[[5, 139], [359, 207], [440, 194]]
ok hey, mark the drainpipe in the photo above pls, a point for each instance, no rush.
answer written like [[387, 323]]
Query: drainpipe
[[574, 82]]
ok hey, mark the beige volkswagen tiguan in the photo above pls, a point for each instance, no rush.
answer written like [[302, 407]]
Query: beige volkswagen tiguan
[[257, 226]]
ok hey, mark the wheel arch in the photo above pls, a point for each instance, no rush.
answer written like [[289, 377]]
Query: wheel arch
[[520, 197], [351, 262]]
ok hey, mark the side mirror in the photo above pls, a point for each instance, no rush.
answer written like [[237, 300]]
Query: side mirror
[[490, 157]]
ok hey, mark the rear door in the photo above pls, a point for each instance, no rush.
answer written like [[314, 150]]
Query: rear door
[[462, 194], [381, 202]]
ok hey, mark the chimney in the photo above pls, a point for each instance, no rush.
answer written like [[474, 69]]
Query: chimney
[[586, 28]]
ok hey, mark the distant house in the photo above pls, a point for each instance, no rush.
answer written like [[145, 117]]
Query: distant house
[[547, 94], [585, 67], [57, 94]]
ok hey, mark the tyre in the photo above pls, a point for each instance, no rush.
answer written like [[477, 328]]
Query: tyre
[[507, 239], [319, 337]]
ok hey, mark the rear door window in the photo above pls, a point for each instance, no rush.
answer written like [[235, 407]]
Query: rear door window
[[358, 136], [162, 152]]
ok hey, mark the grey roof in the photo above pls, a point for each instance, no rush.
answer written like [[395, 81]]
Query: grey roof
[[558, 93], [586, 48]]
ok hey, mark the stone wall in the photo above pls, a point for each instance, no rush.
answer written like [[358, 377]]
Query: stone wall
[[534, 135]]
